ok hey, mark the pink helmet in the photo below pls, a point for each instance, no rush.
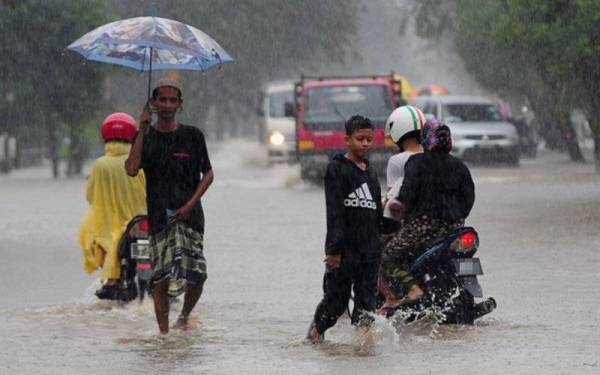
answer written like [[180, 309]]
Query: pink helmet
[[118, 126]]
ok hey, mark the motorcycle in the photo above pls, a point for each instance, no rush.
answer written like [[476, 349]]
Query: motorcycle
[[447, 272], [136, 269], [136, 265]]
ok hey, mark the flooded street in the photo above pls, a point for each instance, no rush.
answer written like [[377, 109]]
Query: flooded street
[[539, 226]]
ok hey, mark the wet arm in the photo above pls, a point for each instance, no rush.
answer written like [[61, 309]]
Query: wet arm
[[203, 185], [134, 161]]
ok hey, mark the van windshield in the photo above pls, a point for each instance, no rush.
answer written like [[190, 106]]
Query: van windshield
[[471, 112], [277, 102], [327, 107]]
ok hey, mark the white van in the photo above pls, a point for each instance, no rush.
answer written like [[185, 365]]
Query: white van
[[275, 130]]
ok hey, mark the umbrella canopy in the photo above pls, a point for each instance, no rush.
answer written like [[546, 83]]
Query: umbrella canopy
[[151, 43]]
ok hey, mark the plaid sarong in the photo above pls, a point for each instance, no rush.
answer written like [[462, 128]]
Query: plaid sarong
[[177, 252]]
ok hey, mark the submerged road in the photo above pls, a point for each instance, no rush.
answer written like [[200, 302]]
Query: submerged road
[[539, 226]]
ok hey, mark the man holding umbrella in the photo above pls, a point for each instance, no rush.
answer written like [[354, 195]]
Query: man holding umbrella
[[178, 173]]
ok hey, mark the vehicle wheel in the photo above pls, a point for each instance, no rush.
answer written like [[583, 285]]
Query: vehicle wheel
[[307, 176], [513, 159], [304, 175], [532, 151]]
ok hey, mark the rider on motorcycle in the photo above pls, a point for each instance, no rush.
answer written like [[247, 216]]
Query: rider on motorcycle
[[436, 196], [114, 198], [404, 127]]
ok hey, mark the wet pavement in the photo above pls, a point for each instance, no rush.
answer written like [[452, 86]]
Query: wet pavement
[[539, 226]]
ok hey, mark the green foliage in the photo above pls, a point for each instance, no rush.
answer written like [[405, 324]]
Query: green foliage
[[545, 50], [269, 39], [58, 95], [53, 90]]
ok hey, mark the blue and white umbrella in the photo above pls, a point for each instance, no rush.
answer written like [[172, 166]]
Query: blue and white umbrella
[[151, 43]]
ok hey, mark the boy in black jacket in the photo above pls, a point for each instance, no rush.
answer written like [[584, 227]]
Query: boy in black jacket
[[352, 247]]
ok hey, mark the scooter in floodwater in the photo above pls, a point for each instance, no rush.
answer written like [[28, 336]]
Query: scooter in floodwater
[[447, 271], [136, 269], [136, 264]]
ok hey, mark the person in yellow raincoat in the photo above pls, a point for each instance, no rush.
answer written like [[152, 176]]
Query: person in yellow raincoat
[[114, 198]]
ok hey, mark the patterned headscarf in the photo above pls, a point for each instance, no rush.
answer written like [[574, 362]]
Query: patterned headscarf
[[435, 136]]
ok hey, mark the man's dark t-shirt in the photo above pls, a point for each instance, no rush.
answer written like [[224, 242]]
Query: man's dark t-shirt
[[173, 163]]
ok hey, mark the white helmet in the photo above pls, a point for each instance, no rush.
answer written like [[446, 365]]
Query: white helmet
[[404, 121]]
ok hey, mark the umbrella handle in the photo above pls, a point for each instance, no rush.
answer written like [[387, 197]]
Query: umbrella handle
[[150, 109], [150, 73]]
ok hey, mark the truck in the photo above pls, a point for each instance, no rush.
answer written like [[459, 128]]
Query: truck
[[276, 130], [323, 104]]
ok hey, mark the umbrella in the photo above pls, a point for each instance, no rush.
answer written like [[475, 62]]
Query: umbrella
[[151, 43]]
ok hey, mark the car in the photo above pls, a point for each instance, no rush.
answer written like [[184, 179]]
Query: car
[[276, 130], [478, 131]]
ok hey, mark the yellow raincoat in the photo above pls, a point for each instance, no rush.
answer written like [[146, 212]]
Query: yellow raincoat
[[114, 198]]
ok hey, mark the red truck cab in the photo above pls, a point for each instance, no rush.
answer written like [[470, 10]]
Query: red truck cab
[[322, 106]]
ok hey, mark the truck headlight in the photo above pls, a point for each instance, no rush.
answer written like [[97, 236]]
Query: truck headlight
[[276, 138]]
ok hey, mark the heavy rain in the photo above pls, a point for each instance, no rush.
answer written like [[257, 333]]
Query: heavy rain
[[516, 82]]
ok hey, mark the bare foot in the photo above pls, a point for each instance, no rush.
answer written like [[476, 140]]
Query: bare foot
[[111, 282], [182, 323], [415, 292], [314, 337]]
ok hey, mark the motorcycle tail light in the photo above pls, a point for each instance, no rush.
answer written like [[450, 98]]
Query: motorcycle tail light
[[466, 242], [140, 229], [467, 239], [144, 226]]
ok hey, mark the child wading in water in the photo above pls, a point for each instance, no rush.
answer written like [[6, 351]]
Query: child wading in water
[[352, 247]]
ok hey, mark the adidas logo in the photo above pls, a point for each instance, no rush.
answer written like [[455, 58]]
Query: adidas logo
[[361, 197]]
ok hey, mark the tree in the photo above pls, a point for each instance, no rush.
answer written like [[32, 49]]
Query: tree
[[58, 94], [54, 92], [269, 39], [546, 51]]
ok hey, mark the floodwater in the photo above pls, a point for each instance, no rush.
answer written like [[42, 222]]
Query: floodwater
[[539, 226]]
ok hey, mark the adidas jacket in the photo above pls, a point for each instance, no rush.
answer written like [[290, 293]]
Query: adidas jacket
[[354, 212]]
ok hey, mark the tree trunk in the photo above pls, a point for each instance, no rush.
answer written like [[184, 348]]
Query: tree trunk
[[53, 150], [597, 151], [594, 119], [572, 145], [563, 119], [568, 135], [18, 153]]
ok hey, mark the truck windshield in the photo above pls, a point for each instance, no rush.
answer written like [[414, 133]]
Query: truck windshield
[[471, 112], [327, 107], [277, 102]]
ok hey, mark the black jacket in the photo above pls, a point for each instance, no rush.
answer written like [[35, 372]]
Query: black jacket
[[437, 184], [353, 199]]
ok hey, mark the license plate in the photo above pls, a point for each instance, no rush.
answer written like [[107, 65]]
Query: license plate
[[468, 266], [140, 250]]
